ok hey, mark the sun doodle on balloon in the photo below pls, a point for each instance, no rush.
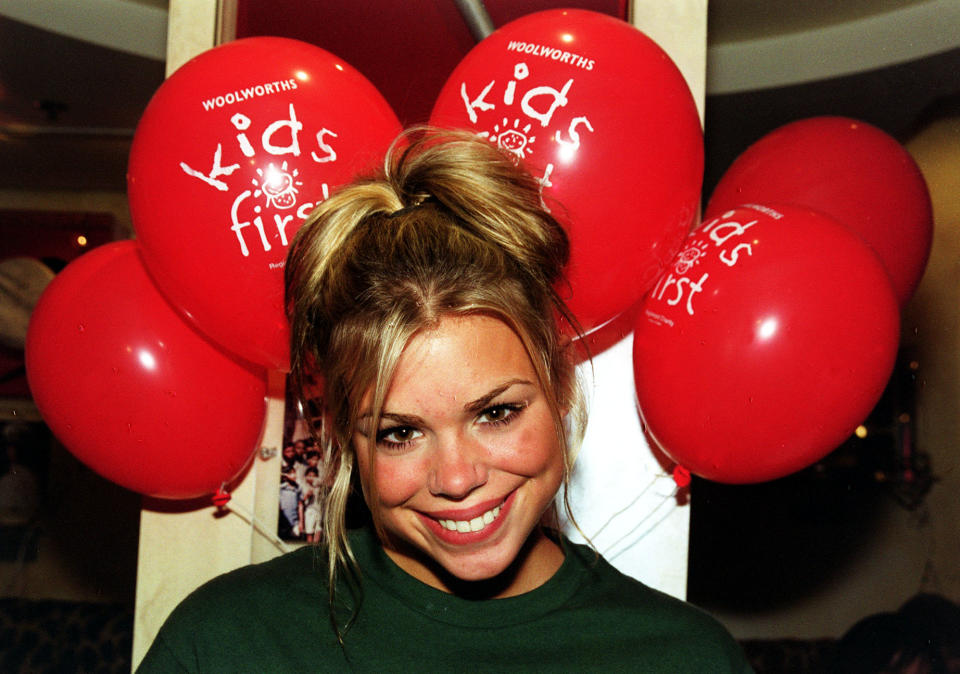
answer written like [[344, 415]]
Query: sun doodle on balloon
[[690, 257], [512, 138], [279, 186]]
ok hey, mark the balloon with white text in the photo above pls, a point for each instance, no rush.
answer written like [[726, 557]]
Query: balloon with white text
[[234, 150], [770, 337], [602, 117]]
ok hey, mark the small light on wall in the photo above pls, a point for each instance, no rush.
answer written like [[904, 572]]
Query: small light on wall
[[81, 240], [861, 431]]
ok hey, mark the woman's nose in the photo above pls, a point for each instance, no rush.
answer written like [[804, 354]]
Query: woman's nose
[[459, 467]]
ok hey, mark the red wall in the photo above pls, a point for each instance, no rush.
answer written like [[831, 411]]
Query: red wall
[[407, 48]]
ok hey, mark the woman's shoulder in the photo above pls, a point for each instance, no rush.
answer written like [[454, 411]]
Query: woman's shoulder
[[615, 592], [300, 574], [625, 608], [277, 575], [259, 608]]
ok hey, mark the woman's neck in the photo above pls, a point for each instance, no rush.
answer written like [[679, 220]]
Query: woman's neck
[[538, 560]]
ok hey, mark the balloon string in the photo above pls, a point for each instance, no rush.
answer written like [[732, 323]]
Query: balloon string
[[624, 509], [649, 530], [666, 499], [248, 517]]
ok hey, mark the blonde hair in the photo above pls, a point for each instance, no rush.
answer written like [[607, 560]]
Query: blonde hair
[[451, 226]]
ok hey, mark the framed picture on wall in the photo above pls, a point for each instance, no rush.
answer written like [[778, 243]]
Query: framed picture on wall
[[305, 473]]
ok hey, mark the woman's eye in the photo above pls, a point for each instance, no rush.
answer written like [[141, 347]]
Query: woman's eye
[[500, 414], [397, 436]]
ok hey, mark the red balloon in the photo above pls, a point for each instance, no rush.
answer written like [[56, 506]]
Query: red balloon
[[769, 339], [849, 170], [232, 153], [601, 115], [131, 389]]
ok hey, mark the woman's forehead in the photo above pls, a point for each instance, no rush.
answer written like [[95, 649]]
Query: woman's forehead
[[462, 357]]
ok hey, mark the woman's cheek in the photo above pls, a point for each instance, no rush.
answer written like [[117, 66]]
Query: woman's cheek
[[532, 450], [399, 478]]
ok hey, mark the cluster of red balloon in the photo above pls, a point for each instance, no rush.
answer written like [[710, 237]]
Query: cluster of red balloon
[[774, 331], [769, 337], [599, 113], [231, 154]]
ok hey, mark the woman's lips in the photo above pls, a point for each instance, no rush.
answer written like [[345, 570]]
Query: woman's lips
[[475, 524], [468, 525]]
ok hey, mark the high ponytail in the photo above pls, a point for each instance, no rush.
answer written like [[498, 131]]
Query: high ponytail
[[487, 194]]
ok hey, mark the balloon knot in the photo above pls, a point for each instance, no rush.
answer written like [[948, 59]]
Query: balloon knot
[[221, 498], [681, 476]]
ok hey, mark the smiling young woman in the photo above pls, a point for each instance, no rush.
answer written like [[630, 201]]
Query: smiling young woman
[[465, 465], [423, 298]]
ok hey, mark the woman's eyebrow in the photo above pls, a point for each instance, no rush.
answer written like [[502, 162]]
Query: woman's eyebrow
[[472, 406], [404, 419], [484, 400]]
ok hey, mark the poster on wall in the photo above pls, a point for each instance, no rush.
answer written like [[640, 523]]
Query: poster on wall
[[305, 474]]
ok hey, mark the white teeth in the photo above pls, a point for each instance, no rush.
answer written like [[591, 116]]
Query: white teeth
[[476, 524]]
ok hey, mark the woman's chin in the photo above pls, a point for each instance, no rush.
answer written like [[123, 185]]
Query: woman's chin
[[477, 573], [503, 572]]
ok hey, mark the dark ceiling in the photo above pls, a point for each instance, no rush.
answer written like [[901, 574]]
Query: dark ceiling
[[68, 107]]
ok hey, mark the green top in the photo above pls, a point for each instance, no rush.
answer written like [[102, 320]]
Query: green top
[[273, 617]]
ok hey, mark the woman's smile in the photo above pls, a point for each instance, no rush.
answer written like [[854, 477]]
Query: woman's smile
[[471, 525]]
